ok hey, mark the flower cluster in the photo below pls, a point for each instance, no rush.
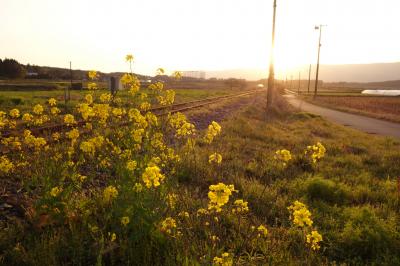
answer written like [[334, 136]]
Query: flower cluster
[[300, 214], [125, 220], [181, 126], [213, 130], [224, 260], [262, 231], [219, 195], [316, 152], [109, 194], [69, 120], [301, 217], [215, 157], [168, 225], [152, 176], [240, 206], [283, 156], [32, 141], [6, 165]]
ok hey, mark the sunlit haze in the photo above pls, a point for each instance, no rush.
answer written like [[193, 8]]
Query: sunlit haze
[[197, 35]]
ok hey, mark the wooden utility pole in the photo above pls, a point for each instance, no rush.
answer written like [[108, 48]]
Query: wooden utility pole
[[309, 79], [299, 83], [70, 73], [319, 52], [291, 82], [271, 78]]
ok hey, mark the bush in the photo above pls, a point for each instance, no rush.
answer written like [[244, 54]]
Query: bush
[[367, 237], [326, 190], [16, 101]]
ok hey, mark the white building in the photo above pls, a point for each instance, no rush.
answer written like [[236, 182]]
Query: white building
[[194, 74]]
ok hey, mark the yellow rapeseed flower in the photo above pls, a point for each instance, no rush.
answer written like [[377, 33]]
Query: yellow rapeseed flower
[[224, 260], [300, 215], [129, 58], [55, 111], [112, 236], [215, 157], [316, 152], [283, 156], [89, 98], [240, 206], [152, 176], [262, 231], [313, 239], [131, 165], [172, 198], [212, 131], [73, 134], [69, 120], [6, 166], [160, 71], [125, 220], [27, 117], [105, 97], [92, 74], [92, 86], [219, 195], [38, 109], [109, 194], [56, 136], [14, 113], [55, 191], [88, 147], [168, 225], [52, 102], [138, 187], [177, 75]]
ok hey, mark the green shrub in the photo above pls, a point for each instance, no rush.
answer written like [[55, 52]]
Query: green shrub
[[367, 237], [326, 190], [16, 101]]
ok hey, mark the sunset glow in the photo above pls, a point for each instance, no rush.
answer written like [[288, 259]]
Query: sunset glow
[[190, 35]]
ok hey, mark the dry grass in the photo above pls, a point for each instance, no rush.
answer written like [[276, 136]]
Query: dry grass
[[387, 108]]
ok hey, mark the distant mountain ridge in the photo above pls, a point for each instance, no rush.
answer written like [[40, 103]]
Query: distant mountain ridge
[[361, 72], [376, 72]]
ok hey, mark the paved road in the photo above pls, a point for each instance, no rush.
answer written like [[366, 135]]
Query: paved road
[[363, 123]]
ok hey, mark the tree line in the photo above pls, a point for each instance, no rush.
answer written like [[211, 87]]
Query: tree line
[[10, 68]]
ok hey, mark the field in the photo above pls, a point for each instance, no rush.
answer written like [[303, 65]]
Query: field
[[387, 108], [351, 100], [158, 192]]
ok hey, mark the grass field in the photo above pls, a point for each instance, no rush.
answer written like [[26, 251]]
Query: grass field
[[351, 193]]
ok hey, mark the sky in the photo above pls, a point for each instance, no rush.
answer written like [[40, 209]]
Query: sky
[[197, 35]]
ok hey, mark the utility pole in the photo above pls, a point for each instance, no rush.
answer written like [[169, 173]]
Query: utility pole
[[291, 82], [271, 78], [299, 83], [70, 73], [309, 79], [319, 52]]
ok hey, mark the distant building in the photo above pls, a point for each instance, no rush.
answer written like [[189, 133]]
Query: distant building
[[32, 74], [194, 74]]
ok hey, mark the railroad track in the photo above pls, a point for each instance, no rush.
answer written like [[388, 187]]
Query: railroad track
[[158, 111]]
